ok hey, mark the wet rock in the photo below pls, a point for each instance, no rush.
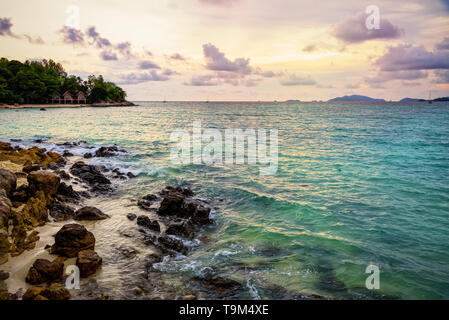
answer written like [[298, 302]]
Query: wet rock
[[4, 246], [131, 175], [31, 239], [64, 175], [137, 291], [172, 204], [61, 211], [56, 292], [106, 151], [172, 244], [68, 192], [22, 194], [87, 155], [67, 154], [218, 285], [151, 259], [88, 261], [31, 167], [45, 181], [90, 213], [181, 228], [127, 252], [146, 222], [5, 146], [146, 202], [35, 212], [131, 216], [4, 275], [92, 176], [8, 181], [32, 293], [71, 239], [201, 215], [187, 192], [33, 156], [44, 271]]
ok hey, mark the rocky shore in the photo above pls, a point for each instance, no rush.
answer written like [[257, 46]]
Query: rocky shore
[[38, 187]]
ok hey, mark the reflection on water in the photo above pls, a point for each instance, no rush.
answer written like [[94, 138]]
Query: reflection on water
[[355, 185]]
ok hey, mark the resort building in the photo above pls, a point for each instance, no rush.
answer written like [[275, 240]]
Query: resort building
[[67, 98]]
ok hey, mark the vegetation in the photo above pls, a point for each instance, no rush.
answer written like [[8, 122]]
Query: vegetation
[[37, 81]]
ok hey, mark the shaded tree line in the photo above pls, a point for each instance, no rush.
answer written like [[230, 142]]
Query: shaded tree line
[[37, 81]]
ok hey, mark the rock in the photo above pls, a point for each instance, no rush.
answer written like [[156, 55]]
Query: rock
[[92, 176], [131, 216], [56, 292], [4, 275], [128, 252], [43, 109], [32, 238], [106, 151], [172, 244], [146, 222], [151, 259], [88, 261], [8, 181], [218, 285], [5, 211], [33, 156], [176, 204], [71, 239], [32, 293], [87, 155], [30, 168], [44, 270], [172, 204], [131, 175], [68, 192], [4, 246], [61, 211], [137, 291], [181, 228], [201, 215], [67, 154], [64, 175], [35, 212], [146, 202], [188, 297], [90, 213], [5, 146], [22, 194], [45, 181]]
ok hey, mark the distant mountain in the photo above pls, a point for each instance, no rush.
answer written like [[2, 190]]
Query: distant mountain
[[442, 99], [355, 98], [411, 100]]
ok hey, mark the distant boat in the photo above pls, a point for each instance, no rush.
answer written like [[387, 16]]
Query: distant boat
[[165, 101], [430, 96]]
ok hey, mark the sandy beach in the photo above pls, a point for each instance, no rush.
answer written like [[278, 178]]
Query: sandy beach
[[45, 106]]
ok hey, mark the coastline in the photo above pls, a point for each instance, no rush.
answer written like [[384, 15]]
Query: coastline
[[39, 106]]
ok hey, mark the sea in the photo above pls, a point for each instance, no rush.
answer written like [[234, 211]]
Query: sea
[[357, 188]]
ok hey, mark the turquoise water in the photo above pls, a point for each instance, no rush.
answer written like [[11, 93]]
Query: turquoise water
[[356, 185]]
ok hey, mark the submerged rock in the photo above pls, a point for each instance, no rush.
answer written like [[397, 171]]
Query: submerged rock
[[44, 271], [171, 244], [181, 228], [88, 261], [146, 222], [71, 239], [217, 285], [106, 151], [90, 213]]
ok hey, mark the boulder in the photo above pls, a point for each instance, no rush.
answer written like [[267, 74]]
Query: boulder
[[172, 244], [45, 181], [8, 181], [35, 212], [71, 239], [5, 211], [4, 246], [56, 292], [181, 228], [106, 151], [131, 216], [22, 194], [90, 213], [67, 192], [92, 176], [5, 146], [61, 211], [44, 271], [172, 204], [177, 204], [88, 261], [146, 222]]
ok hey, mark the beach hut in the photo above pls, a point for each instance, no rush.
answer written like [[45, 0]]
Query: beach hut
[[56, 98], [81, 97], [67, 97]]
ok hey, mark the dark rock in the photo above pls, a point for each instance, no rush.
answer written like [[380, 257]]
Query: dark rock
[[71, 239], [22, 194], [146, 222], [181, 228], [131, 216], [151, 259], [8, 181], [88, 261], [106, 151], [90, 213], [4, 275], [67, 154], [218, 285], [176, 204], [44, 270], [92, 176], [30, 168], [56, 292], [43, 109], [64, 175], [87, 155], [61, 211], [172, 244], [4, 246], [131, 175], [68, 192], [172, 204], [45, 181]]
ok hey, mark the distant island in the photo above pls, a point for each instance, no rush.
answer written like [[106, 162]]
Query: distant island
[[355, 98], [45, 81], [293, 100]]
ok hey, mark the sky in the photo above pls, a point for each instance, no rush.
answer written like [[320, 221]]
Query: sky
[[245, 50]]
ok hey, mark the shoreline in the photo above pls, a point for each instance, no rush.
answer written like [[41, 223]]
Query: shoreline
[[39, 106]]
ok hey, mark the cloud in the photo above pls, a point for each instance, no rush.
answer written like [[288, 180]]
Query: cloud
[[134, 78], [108, 56], [125, 49], [34, 40], [310, 48], [222, 3], [202, 80], [268, 74], [442, 76], [96, 39], [296, 80], [353, 86], [408, 57], [145, 65], [216, 61], [72, 36], [169, 72], [443, 45], [354, 30], [5, 27], [177, 56]]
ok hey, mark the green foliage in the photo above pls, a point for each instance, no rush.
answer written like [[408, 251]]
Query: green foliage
[[37, 81]]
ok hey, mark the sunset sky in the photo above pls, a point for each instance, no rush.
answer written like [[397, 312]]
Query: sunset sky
[[238, 49]]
